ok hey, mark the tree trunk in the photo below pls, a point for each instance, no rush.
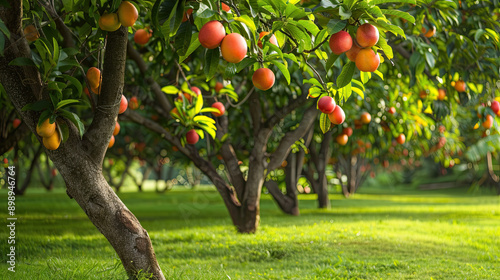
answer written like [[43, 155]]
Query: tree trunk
[[289, 202], [320, 160], [79, 161]]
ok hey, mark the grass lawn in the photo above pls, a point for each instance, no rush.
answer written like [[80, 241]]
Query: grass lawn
[[445, 234]]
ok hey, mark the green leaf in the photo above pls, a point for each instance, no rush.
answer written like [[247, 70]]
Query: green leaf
[[209, 110], [331, 60], [309, 26], [344, 13], [247, 61], [170, 90], [199, 103], [335, 25], [211, 63], [283, 70], [211, 131], [431, 61], [400, 14], [365, 77], [68, 5], [315, 92], [22, 61], [193, 45], [345, 92], [44, 116], [248, 21], [4, 29], [345, 76], [74, 82], [378, 2], [63, 127], [203, 118], [38, 106], [359, 92], [382, 43], [183, 38], [324, 123], [66, 102], [74, 119]]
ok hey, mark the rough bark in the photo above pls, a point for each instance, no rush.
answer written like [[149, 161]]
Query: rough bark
[[80, 161]]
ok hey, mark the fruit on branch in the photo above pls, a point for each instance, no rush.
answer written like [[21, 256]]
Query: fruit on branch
[[367, 60], [211, 34], [52, 142], [263, 78], [401, 139], [337, 116], [46, 129], [31, 33], [488, 122], [367, 35], [429, 33], [226, 8], [111, 141], [94, 78], [192, 137], [392, 110], [109, 22], [218, 87], [123, 105], [353, 52], [423, 94], [133, 103], [127, 13], [219, 106], [16, 123], [233, 48], [366, 118], [326, 104], [495, 106], [117, 129], [272, 39], [347, 131], [196, 90], [340, 42], [187, 15], [441, 94], [460, 86], [142, 36], [342, 139]]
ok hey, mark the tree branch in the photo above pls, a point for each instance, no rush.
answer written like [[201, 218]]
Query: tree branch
[[284, 111], [97, 137], [279, 155]]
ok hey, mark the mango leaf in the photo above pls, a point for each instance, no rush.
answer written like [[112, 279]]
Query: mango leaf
[[247, 21], [382, 43], [400, 14], [38, 106], [211, 63], [170, 90], [203, 118], [309, 26], [345, 76], [22, 61], [66, 102], [74, 82], [183, 38], [283, 70], [324, 123], [335, 25], [74, 119], [199, 103], [208, 129], [63, 127], [193, 45], [331, 60]]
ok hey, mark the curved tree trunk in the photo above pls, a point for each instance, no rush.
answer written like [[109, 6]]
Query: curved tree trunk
[[320, 160], [79, 161]]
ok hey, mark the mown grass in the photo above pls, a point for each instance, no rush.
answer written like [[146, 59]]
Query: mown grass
[[446, 234]]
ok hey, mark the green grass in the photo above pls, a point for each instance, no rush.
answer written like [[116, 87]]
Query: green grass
[[446, 234]]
